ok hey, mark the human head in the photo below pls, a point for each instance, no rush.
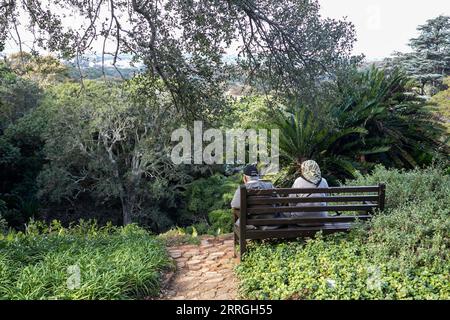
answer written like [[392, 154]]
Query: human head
[[250, 172], [311, 171]]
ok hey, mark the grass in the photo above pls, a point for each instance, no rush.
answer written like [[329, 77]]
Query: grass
[[112, 262]]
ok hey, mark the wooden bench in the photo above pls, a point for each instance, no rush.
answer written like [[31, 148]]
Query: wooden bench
[[358, 202]]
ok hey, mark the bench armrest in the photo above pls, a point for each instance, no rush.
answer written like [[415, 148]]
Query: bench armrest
[[236, 213]]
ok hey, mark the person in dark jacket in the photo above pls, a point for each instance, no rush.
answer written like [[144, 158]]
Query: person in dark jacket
[[252, 180]]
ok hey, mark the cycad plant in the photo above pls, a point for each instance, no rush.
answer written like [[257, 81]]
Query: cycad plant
[[305, 136], [401, 129]]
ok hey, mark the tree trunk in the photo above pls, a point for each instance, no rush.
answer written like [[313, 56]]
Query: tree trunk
[[126, 211], [129, 200]]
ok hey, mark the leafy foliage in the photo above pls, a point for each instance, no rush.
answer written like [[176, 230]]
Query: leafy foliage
[[419, 185], [221, 220], [3, 225], [208, 203], [403, 254], [114, 263], [207, 194], [20, 145], [376, 119], [17, 96], [402, 131], [250, 112], [19, 210], [179, 236]]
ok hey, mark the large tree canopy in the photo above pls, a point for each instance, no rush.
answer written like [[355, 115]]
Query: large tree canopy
[[284, 43]]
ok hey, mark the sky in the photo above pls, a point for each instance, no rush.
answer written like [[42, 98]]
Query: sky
[[384, 26]]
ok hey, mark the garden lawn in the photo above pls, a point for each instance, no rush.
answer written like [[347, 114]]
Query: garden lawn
[[403, 253], [113, 263]]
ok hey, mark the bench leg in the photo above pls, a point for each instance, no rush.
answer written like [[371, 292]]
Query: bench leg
[[235, 234], [236, 242], [242, 247]]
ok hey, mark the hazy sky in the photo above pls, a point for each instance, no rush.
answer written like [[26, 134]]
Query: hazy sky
[[384, 26]]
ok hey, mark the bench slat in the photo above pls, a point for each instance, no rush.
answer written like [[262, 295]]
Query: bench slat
[[305, 220], [269, 209], [313, 190], [296, 232], [272, 200]]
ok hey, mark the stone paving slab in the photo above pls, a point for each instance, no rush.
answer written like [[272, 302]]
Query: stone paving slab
[[204, 271]]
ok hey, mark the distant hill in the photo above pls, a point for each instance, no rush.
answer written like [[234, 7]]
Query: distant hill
[[92, 66]]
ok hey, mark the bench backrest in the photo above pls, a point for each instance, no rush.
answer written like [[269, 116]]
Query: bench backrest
[[257, 208], [362, 200]]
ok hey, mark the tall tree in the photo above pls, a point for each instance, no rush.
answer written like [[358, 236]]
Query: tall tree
[[434, 42], [429, 62]]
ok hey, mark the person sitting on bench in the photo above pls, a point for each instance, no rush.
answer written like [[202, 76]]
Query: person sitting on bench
[[252, 181], [310, 177]]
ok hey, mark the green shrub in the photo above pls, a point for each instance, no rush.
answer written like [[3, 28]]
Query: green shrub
[[303, 270], [207, 194], [404, 186], [402, 253], [114, 262], [221, 220], [18, 210], [208, 204]]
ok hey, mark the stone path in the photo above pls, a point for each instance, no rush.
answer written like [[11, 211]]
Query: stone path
[[204, 271]]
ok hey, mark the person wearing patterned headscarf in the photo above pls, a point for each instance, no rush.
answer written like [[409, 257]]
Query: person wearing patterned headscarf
[[310, 172], [310, 177]]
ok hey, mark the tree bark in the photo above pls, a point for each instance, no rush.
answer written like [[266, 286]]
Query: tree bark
[[126, 211], [129, 199]]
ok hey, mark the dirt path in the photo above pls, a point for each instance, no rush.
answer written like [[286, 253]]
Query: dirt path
[[204, 271]]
